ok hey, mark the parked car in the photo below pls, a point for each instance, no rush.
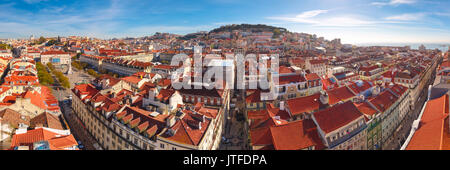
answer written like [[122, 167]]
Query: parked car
[[225, 140]]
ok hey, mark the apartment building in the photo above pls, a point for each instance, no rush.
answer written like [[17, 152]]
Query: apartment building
[[55, 57], [118, 122], [317, 66], [342, 127]]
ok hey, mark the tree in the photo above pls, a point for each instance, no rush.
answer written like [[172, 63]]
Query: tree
[[5, 46], [41, 40], [51, 42], [276, 33], [44, 76], [50, 66], [92, 72]]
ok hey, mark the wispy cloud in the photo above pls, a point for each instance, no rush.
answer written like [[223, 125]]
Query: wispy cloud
[[310, 14], [442, 14], [34, 1], [313, 18], [305, 17], [407, 17], [54, 20], [394, 2]]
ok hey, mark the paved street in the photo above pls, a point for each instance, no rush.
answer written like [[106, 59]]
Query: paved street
[[76, 126], [235, 130], [79, 76]]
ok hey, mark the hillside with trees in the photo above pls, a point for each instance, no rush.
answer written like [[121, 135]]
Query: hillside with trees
[[249, 28]]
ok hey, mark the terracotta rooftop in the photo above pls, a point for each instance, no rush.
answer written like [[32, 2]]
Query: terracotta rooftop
[[430, 135], [339, 94], [304, 104], [337, 116]]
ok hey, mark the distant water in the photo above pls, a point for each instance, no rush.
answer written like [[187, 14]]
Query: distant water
[[412, 45]]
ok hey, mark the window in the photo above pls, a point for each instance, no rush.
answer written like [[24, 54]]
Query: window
[[161, 145], [173, 148]]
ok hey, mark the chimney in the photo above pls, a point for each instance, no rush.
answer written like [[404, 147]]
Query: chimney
[[199, 125], [171, 120], [281, 105], [376, 90], [324, 97]]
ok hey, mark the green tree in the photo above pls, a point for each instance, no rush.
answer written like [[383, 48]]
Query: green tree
[[52, 42], [44, 76], [5, 46], [41, 40], [92, 72], [276, 33], [50, 66]]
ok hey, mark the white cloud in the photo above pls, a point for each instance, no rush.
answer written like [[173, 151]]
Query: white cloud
[[406, 17], [442, 14], [345, 21], [305, 17], [34, 1], [311, 17], [394, 2], [310, 14]]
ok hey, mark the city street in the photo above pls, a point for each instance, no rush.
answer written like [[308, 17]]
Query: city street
[[79, 76], [76, 126], [234, 130]]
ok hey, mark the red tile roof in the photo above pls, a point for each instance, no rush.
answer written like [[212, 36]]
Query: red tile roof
[[285, 70], [337, 116], [260, 136], [312, 76], [282, 80], [290, 136], [429, 135], [54, 53], [304, 104], [132, 79], [318, 61], [165, 67], [47, 120], [13, 117], [366, 109], [186, 130], [360, 87], [56, 141], [339, 94], [384, 100], [255, 97], [85, 89]]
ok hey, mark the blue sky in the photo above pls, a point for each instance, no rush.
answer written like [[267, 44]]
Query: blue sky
[[354, 21]]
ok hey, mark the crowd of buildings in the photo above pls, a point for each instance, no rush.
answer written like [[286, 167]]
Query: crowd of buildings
[[431, 130], [30, 117], [329, 95], [359, 105]]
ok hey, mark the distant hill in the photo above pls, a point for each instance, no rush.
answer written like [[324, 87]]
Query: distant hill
[[193, 35], [249, 28]]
